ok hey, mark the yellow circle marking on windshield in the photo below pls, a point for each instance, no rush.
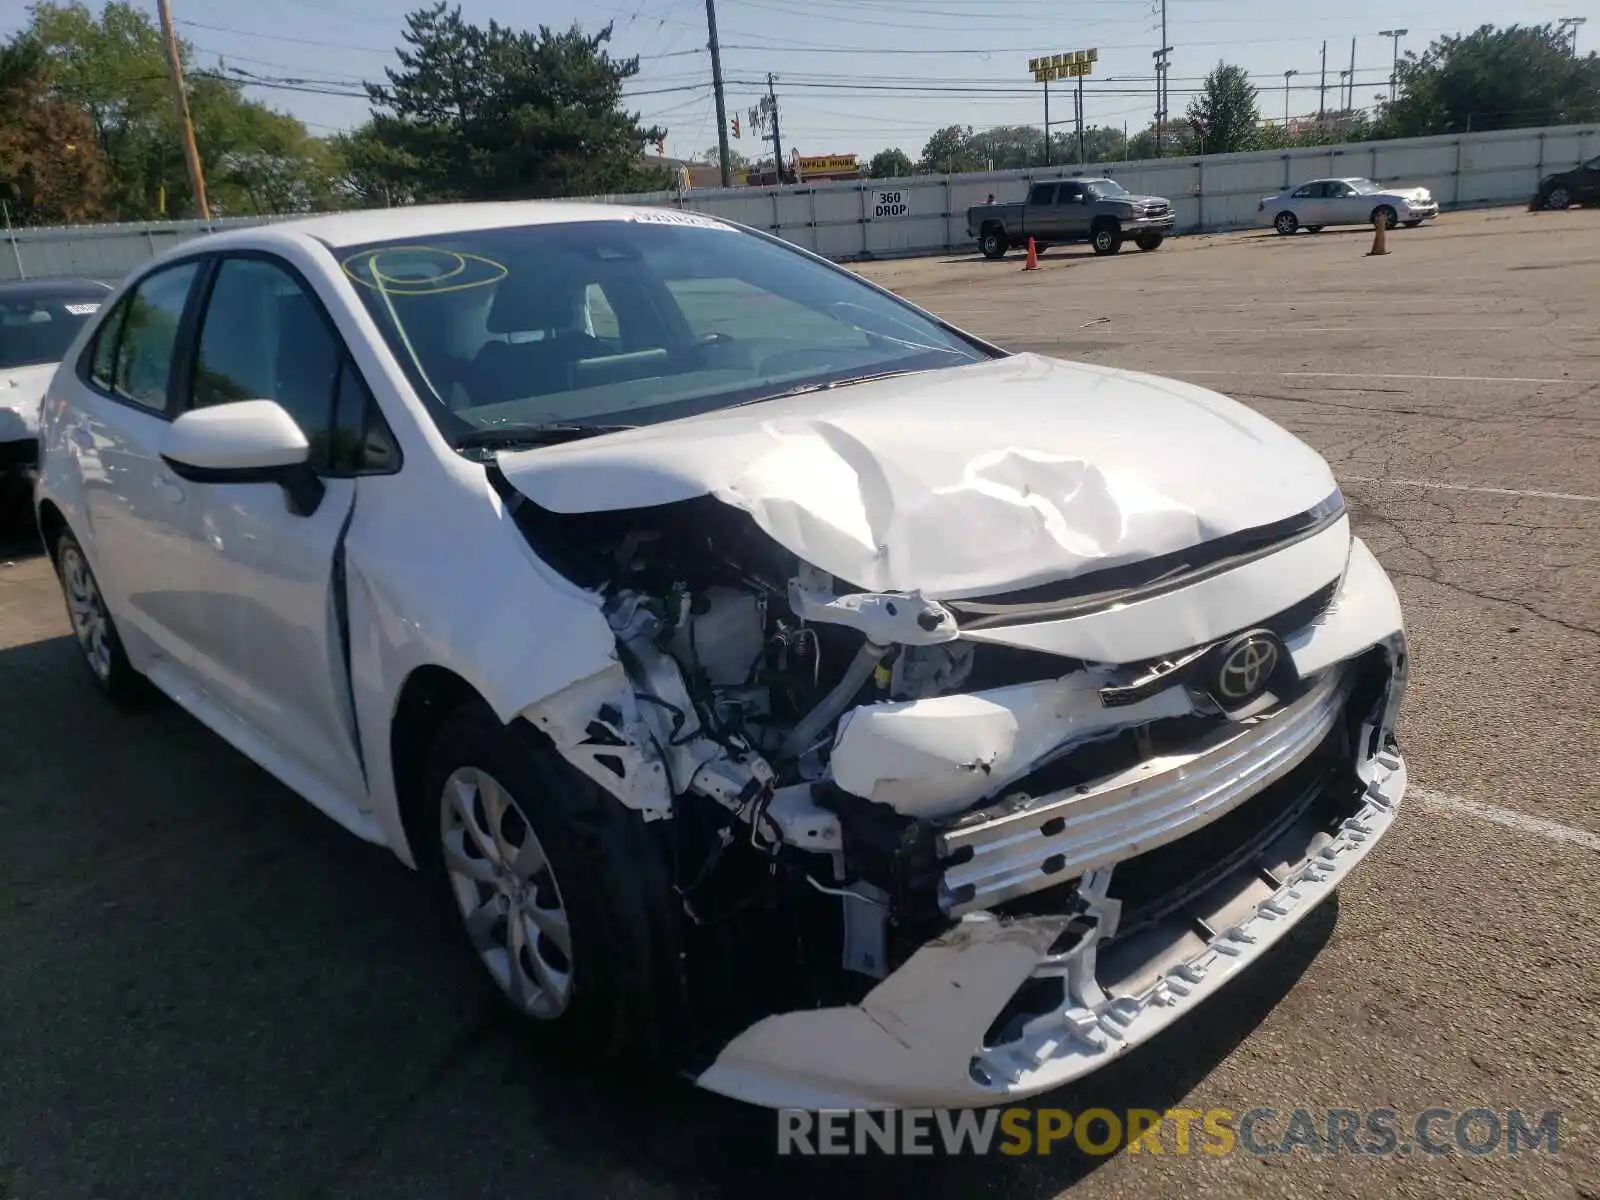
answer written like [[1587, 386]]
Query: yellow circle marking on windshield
[[374, 276]]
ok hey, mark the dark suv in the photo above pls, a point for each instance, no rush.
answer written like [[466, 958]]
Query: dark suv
[[1581, 185]]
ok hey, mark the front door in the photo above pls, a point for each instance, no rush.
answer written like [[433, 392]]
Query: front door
[[268, 624], [1073, 204]]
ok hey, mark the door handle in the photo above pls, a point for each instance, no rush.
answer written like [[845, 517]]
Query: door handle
[[171, 490]]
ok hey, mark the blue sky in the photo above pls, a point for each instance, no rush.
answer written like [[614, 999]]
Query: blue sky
[[859, 75]]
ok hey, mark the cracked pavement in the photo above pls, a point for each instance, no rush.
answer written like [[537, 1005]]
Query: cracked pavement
[[207, 989]]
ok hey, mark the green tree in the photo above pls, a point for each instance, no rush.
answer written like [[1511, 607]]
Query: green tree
[[1224, 118], [953, 149], [112, 69], [494, 113], [894, 163], [1521, 76], [737, 162], [51, 172]]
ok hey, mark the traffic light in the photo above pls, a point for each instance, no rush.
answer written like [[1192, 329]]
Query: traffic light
[[735, 126]]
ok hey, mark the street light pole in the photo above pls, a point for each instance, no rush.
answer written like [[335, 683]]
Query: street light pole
[[1394, 70], [1287, 75]]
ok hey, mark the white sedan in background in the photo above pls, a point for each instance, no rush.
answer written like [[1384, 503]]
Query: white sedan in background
[[1346, 202], [770, 677]]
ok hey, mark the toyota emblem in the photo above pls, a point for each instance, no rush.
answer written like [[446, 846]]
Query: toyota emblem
[[1247, 666]]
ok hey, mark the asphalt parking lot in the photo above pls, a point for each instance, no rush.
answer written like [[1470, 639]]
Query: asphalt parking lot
[[207, 989]]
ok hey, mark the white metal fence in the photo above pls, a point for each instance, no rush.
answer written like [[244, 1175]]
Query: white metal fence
[[927, 213]]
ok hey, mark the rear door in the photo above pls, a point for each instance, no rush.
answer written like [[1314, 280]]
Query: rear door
[[268, 603], [1306, 203], [1040, 212], [136, 514]]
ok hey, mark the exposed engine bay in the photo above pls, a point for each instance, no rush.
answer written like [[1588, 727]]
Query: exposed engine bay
[[847, 775]]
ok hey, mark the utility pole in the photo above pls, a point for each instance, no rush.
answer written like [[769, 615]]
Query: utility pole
[[1287, 75], [191, 155], [777, 141], [1322, 93], [1394, 70], [1080, 120], [1047, 156], [716, 84], [1350, 104], [1572, 23]]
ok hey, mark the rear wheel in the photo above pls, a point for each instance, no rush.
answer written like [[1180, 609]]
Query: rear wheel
[[92, 625], [1106, 238], [1286, 223], [1387, 215], [1149, 241], [993, 243]]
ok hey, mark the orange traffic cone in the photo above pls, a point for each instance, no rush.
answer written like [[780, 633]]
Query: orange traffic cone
[[1379, 232], [1033, 257]]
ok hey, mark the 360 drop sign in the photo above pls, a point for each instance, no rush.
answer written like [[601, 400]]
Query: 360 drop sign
[[890, 204]]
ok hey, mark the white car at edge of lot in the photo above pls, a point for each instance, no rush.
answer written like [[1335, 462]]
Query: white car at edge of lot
[[1351, 201], [38, 320], [777, 682]]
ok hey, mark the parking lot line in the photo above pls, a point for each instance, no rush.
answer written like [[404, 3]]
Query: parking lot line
[[1470, 487], [1551, 830], [1390, 375]]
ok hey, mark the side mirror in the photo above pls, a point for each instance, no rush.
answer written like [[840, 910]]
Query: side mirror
[[251, 441]]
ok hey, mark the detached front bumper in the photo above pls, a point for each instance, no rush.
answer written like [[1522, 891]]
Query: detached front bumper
[[1088, 922]]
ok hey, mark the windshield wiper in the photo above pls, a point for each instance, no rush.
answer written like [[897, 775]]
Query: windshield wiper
[[550, 434], [808, 388]]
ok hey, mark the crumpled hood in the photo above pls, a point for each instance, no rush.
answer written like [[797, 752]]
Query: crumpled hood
[[21, 390], [960, 482]]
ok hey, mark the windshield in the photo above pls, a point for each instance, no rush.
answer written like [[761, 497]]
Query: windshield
[[37, 328], [1105, 189], [627, 322], [1363, 187]]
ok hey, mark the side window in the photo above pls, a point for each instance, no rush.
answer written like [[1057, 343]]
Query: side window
[[360, 440], [1043, 193], [103, 352], [1070, 193], [146, 332], [1305, 192], [1337, 191]]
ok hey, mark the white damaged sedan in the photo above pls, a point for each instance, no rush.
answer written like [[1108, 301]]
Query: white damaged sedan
[[778, 682]]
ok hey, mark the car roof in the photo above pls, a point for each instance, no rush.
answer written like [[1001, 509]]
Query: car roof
[[49, 289], [431, 220]]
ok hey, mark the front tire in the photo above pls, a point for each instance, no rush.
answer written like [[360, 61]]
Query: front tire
[[993, 243], [1558, 199], [92, 626], [1387, 215], [1286, 223], [1149, 241], [1106, 238], [556, 889]]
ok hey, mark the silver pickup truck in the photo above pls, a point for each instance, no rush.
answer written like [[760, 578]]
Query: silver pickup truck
[[1099, 211]]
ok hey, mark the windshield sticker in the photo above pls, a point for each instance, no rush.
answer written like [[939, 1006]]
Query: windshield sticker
[[668, 216], [82, 310], [421, 270]]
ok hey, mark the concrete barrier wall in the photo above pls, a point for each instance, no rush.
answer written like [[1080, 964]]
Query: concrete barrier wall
[[839, 220]]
